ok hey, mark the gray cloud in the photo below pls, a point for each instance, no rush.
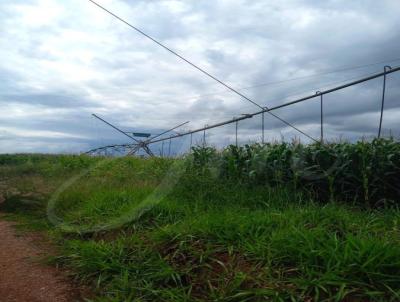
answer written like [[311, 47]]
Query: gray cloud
[[64, 61]]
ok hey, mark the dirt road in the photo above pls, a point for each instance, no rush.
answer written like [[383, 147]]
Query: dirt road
[[23, 277]]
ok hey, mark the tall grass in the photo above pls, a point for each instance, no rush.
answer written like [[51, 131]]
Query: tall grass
[[280, 222], [200, 250]]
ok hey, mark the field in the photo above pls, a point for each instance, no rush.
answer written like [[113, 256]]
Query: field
[[279, 222]]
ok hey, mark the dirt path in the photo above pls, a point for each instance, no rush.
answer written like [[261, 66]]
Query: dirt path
[[23, 277]]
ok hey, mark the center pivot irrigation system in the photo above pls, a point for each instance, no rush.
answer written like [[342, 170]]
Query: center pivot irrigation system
[[144, 144], [132, 148]]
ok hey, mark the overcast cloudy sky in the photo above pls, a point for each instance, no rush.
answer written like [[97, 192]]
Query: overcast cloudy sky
[[63, 60]]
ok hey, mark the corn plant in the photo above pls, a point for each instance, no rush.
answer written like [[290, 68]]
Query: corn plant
[[367, 172]]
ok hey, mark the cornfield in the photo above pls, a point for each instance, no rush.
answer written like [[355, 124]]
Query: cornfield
[[366, 172]]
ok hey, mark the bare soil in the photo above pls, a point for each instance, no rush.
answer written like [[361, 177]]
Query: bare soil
[[24, 276]]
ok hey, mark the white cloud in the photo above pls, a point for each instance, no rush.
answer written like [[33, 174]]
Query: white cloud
[[26, 133]]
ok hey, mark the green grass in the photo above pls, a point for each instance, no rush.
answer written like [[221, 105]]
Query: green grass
[[299, 253], [218, 235]]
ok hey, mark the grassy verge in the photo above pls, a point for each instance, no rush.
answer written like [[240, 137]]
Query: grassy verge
[[211, 238]]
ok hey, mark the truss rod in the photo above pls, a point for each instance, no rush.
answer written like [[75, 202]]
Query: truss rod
[[116, 128], [200, 69], [169, 130]]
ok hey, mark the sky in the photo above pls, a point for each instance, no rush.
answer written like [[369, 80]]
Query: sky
[[61, 61]]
